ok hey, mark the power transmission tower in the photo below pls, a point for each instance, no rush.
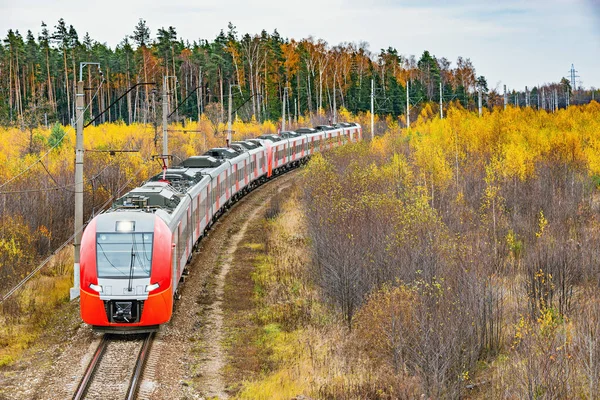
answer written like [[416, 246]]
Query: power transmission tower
[[573, 77]]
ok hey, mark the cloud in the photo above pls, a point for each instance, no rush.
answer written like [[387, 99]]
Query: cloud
[[517, 42]]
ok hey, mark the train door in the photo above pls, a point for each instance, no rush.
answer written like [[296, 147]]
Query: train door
[[199, 216], [236, 176], [190, 232], [227, 183], [175, 256], [207, 199], [218, 195]]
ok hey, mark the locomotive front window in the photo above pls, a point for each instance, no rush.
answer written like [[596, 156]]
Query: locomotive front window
[[124, 255]]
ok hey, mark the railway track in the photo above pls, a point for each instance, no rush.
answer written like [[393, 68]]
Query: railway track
[[115, 371]]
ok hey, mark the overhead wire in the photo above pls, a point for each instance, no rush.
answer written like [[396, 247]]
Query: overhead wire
[[58, 142], [61, 187], [64, 244]]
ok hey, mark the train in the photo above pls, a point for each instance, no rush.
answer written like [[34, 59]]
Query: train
[[134, 255]]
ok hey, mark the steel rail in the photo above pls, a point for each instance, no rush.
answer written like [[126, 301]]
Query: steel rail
[[139, 367], [90, 370]]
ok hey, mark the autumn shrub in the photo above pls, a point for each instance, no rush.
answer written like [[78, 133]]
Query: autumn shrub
[[586, 339], [545, 365], [500, 210], [16, 250]]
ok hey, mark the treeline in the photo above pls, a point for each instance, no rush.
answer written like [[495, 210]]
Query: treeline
[[39, 75], [463, 255]]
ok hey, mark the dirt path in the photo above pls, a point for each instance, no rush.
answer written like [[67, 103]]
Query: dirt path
[[215, 359], [192, 358]]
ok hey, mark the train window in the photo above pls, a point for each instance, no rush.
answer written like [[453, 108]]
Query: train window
[[121, 255], [184, 239]]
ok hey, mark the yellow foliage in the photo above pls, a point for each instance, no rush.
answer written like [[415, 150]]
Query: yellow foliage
[[542, 223]]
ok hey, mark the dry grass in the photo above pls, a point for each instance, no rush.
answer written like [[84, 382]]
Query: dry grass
[[24, 315], [292, 342]]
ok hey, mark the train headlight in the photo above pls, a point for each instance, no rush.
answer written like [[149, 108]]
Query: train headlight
[[152, 287], [96, 288], [125, 226]]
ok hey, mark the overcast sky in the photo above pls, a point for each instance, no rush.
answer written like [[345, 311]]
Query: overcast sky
[[517, 43]]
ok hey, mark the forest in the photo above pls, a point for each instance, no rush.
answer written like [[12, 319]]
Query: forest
[[39, 72]]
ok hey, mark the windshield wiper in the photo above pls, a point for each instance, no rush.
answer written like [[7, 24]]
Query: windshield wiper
[[131, 263]]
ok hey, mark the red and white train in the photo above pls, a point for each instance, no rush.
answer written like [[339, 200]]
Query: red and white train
[[133, 255]]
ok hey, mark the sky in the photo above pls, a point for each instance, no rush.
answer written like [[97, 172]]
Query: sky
[[516, 43]]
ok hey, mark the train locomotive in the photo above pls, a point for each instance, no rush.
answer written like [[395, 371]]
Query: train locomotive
[[134, 255]]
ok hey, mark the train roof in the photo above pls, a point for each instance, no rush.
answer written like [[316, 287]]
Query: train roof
[[149, 197], [271, 137], [257, 142], [222, 152], [246, 144], [324, 128], [289, 134], [306, 130], [181, 178], [238, 147], [201, 162]]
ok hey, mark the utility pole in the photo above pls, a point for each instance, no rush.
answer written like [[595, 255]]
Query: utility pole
[[372, 109], [200, 94], [441, 103], [505, 98], [78, 222], [334, 106], [289, 113], [229, 117], [407, 106], [74, 292], [282, 108], [479, 101], [165, 112]]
